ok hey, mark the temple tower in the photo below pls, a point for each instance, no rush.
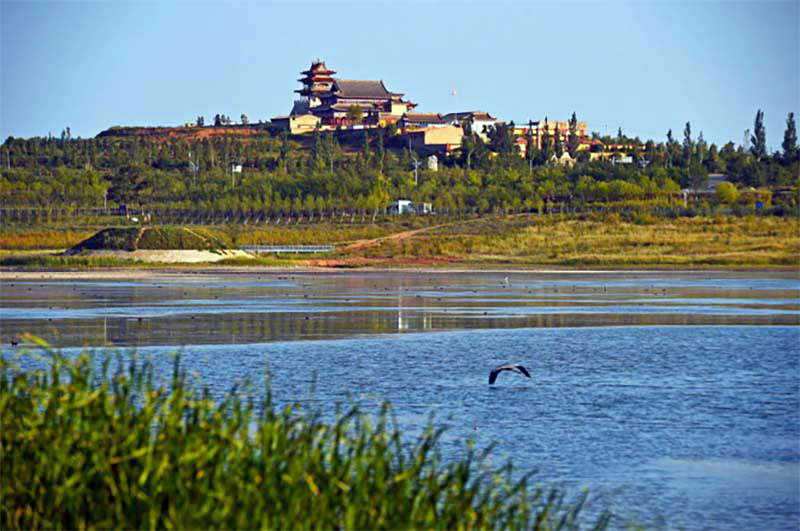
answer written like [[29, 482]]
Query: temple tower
[[316, 80]]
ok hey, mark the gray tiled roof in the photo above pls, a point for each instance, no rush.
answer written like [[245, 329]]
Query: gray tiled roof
[[300, 107], [348, 88], [426, 117]]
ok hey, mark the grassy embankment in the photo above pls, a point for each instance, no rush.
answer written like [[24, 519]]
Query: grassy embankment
[[613, 241], [82, 447], [638, 240]]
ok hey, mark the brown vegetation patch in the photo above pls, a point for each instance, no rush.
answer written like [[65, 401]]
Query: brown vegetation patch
[[187, 133]]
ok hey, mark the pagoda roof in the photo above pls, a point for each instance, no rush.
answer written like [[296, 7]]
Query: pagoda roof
[[346, 106], [475, 115], [426, 117], [300, 107], [318, 67], [360, 89], [315, 89]]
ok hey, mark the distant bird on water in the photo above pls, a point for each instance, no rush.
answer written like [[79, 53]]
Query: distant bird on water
[[508, 367]]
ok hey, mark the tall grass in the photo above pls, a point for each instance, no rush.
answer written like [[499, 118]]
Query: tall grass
[[611, 240], [41, 238], [50, 261], [82, 446]]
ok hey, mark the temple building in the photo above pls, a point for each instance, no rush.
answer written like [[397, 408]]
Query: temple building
[[316, 80], [331, 99]]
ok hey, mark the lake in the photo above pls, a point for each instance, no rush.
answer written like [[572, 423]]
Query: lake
[[675, 397]]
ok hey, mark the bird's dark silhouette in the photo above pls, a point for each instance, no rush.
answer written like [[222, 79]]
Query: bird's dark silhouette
[[508, 367]]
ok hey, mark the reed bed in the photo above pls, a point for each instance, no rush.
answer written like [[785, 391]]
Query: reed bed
[[84, 446], [42, 239], [57, 261]]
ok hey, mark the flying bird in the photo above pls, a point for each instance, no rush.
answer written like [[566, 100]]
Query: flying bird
[[508, 367]]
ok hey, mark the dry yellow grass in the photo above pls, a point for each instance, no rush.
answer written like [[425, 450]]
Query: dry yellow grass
[[42, 239], [613, 241], [719, 241]]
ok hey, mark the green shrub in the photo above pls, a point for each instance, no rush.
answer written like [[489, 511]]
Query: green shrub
[[114, 238], [82, 447], [154, 238]]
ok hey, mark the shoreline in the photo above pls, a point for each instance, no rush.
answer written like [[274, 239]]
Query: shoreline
[[154, 273]]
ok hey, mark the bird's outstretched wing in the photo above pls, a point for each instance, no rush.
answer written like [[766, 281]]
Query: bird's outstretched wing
[[507, 367]]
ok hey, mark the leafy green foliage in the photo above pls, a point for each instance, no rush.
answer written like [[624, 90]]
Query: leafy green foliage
[[759, 138], [172, 238], [348, 170], [83, 446], [114, 238], [791, 152]]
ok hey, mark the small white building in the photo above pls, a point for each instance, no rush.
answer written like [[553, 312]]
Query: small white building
[[404, 206], [480, 120], [401, 206]]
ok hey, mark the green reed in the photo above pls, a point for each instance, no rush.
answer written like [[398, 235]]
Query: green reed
[[82, 445]]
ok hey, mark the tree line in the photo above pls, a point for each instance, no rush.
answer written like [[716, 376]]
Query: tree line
[[328, 170]]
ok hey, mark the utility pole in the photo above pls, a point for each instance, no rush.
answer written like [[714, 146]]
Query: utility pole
[[416, 164]]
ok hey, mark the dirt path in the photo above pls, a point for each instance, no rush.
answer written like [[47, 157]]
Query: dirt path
[[398, 236]]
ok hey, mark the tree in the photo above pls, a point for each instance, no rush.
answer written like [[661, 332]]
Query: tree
[[201, 121], [244, 119], [759, 138], [128, 184], [381, 150], [727, 193], [700, 148], [316, 147], [672, 149], [546, 144], [355, 114], [468, 142], [688, 145], [284, 150], [559, 147], [217, 120], [365, 151], [712, 160], [501, 138], [573, 142], [530, 148], [791, 153]]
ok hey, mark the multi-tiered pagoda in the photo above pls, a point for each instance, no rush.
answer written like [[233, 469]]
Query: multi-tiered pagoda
[[331, 99], [316, 80]]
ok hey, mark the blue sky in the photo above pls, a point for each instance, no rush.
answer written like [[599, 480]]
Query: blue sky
[[643, 66]]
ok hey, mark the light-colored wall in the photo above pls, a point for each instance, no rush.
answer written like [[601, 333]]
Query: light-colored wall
[[399, 109], [443, 135], [303, 123]]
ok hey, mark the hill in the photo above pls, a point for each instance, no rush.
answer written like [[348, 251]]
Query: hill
[[188, 133], [162, 244]]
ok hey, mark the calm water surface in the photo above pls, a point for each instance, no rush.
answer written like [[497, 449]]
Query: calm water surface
[[674, 396]]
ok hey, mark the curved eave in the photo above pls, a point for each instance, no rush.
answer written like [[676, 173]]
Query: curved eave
[[318, 72]]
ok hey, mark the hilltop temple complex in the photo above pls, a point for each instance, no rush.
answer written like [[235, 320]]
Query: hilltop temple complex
[[329, 102], [331, 99]]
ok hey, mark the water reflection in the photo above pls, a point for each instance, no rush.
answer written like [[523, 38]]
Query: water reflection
[[183, 309], [641, 385]]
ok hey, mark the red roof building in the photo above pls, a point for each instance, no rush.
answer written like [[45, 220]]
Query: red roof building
[[332, 98]]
